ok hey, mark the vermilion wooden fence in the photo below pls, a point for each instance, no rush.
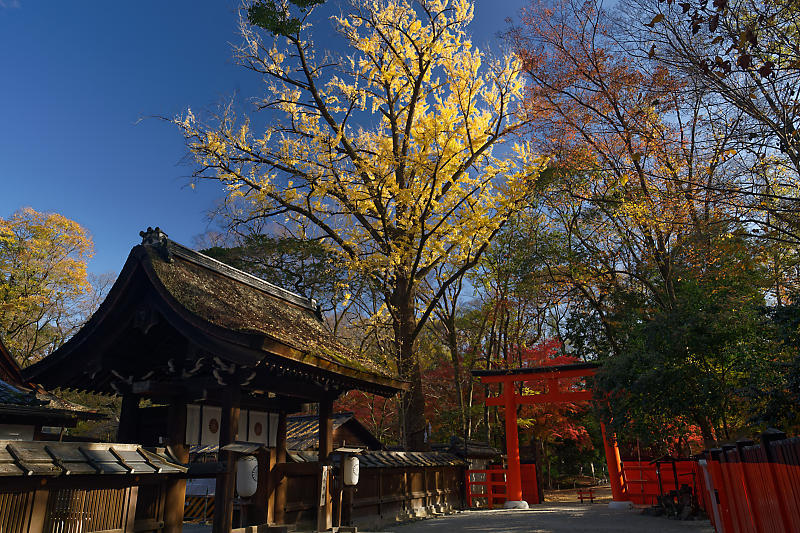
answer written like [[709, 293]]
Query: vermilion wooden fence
[[642, 479], [491, 485], [754, 487]]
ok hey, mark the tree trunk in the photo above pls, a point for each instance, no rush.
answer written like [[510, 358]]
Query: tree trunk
[[470, 388], [452, 340], [412, 403], [705, 430]]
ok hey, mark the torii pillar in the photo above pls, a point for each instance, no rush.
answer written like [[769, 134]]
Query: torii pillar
[[619, 489], [514, 475]]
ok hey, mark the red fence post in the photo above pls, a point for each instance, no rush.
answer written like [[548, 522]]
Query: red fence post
[[782, 493], [752, 491], [722, 490], [787, 452], [490, 490]]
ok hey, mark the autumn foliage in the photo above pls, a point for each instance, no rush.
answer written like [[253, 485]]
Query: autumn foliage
[[44, 286]]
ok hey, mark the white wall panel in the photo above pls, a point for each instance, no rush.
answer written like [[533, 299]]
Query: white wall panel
[[192, 424]]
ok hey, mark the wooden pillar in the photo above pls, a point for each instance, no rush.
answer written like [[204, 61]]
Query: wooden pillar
[[279, 499], [176, 490], [130, 511], [259, 511], [39, 512], [129, 419], [325, 511], [615, 477], [226, 481], [513, 476]]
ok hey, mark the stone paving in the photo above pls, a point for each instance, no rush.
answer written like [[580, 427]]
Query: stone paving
[[554, 518]]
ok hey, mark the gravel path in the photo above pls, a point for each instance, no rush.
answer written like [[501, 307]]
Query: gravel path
[[554, 518]]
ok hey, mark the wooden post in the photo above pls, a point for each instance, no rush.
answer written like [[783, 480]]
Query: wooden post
[[347, 507], [128, 419], [176, 490], [324, 512], [380, 493], [130, 511], [618, 489], [279, 499], [513, 479], [259, 512], [226, 482], [39, 512]]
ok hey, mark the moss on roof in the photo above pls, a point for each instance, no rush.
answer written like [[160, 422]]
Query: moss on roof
[[207, 289]]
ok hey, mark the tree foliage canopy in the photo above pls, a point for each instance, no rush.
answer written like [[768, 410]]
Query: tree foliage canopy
[[402, 155], [44, 287]]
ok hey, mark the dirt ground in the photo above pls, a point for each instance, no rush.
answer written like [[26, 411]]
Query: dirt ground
[[553, 518], [602, 494]]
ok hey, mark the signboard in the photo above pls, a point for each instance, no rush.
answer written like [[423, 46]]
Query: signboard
[[323, 488]]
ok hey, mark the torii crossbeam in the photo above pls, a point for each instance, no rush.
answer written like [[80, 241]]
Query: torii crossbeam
[[556, 384]]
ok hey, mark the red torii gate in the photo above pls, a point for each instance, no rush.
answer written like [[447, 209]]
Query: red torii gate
[[554, 392]]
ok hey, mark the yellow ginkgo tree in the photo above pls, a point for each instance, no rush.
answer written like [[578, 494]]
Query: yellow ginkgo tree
[[404, 154], [45, 292]]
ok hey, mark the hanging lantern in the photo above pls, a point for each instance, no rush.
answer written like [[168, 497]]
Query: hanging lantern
[[246, 476], [351, 466]]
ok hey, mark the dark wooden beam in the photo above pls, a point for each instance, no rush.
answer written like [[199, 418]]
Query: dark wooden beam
[[279, 500], [325, 511], [176, 489], [226, 482], [128, 419]]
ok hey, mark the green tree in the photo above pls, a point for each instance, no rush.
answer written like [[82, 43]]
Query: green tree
[[687, 365]]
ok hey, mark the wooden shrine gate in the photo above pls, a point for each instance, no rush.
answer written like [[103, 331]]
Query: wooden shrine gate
[[550, 384]]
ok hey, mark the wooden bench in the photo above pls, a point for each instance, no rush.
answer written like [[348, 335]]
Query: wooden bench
[[586, 494]]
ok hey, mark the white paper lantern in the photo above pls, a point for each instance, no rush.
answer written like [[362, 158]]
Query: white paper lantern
[[351, 466], [246, 476]]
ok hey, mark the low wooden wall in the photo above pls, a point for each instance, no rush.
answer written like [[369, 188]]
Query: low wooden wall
[[50, 487], [383, 495], [81, 507]]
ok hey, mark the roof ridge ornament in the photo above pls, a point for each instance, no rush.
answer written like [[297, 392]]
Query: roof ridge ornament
[[158, 240]]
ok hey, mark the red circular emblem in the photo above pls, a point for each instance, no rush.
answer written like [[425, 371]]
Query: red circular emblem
[[258, 428], [213, 425]]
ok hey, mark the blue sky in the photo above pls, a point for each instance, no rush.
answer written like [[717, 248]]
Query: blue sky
[[77, 77]]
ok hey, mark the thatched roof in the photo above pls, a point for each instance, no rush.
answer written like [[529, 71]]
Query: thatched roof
[[174, 315]]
